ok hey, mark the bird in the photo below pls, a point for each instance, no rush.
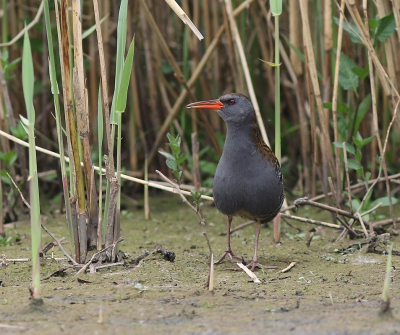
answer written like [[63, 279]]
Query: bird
[[248, 181]]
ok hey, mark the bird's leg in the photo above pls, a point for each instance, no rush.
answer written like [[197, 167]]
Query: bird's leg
[[228, 252], [254, 263]]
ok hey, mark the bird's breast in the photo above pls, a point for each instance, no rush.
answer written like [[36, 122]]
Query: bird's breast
[[247, 184]]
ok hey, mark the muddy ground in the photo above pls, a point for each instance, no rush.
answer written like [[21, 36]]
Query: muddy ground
[[327, 292]]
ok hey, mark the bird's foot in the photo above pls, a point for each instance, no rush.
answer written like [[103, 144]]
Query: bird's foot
[[254, 264], [228, 253]]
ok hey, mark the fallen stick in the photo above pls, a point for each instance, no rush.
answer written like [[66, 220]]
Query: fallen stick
[[251, 274], [291, 265]]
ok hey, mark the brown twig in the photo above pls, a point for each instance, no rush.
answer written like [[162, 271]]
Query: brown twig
[[98, 253], [315, 222], [29, 26]]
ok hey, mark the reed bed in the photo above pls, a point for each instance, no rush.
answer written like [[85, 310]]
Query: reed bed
[[322, 76]]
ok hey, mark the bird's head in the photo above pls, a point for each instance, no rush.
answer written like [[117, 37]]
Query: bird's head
[[234, 108]]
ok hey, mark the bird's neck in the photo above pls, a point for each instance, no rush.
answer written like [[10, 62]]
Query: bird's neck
[[239, 135]]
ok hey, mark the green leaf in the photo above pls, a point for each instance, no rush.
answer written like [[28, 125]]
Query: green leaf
[[180, 159], [276, 7], [386, 27], [28, 77], [384, 201], [360, 142], [166, 154], [296, 50], [208, 167], [270, 63], [121, 44], [355, 203], [349, 147], [125, 78], [347, 79], [358, 154], [373, 24], [367, 176], [92, 28], [342, 127], [9, 67], [24, 121], [340, 107], [365, 141], [10, 157], [19, 132], [171, 164], [353, 164], [361, 73], [352, 29], [362, 110]]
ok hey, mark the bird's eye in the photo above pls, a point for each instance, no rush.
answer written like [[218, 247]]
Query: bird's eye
[[232, 102]]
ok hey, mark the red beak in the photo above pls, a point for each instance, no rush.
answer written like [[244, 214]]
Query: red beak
[[209, 104]]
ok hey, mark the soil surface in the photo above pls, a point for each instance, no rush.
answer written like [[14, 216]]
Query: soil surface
[[330, 290]]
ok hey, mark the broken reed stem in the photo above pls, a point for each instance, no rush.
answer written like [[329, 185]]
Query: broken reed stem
[[346, 167], [250, 273]]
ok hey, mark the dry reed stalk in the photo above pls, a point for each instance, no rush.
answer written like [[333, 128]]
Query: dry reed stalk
[[82, 120], [135, 118], [387, 85], [196, 73], [389, 52], [8, 121], [346, 168], [239, 45], [31, 24], [146, 191], [295, 36], [167, 104], [334, 101], [315, 222], [315, 85], [232, 53], [149, 67], [179, 75], [104, 170], [396, 8], [313, 126], [215, 119], [265, 51], [104, 85], [192, 43], [196, 170], [77, 176], [375, 126]]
